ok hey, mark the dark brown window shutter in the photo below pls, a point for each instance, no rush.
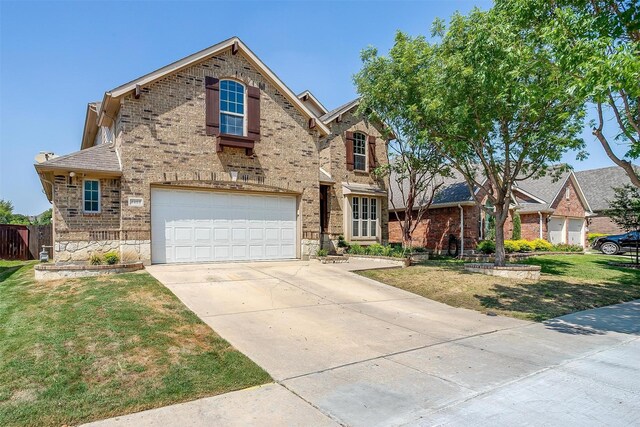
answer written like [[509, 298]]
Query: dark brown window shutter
[[373, 161], [253, 113], [212, 105], [349, 143]]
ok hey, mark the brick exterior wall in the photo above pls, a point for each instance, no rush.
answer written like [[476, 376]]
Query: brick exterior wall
[[603, 224], [333, 158], [572, 207], [68, 210], [434, 230], [161, 140], [531, 226]]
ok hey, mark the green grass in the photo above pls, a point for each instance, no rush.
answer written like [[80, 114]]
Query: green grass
[[569, 283], [77, 350]]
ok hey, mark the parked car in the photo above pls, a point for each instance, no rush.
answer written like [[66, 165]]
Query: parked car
[[617, 244]]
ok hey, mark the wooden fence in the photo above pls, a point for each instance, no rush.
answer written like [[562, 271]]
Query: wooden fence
[[23, 242]]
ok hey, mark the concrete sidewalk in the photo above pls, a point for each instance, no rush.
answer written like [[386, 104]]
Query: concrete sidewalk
[[345, 349]]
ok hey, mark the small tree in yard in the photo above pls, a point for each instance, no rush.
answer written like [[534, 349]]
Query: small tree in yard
[[517, 227], [493, 101], [389, 89], [625, 211]]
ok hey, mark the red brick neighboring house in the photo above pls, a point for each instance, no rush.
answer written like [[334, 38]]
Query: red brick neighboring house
[[552, 209], [598, 185]]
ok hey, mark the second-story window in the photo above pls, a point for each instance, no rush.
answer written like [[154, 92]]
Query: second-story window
[[359, 151], [232, 111]]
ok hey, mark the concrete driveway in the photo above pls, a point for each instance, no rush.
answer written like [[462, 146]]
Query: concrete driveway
[[344, 349]]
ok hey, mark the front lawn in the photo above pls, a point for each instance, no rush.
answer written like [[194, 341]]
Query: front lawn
[[569, 283], [77, 350]]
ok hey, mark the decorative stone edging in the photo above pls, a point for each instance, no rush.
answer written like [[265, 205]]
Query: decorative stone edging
[[515, 256], [513, 271], [402, 262], [56, 271]]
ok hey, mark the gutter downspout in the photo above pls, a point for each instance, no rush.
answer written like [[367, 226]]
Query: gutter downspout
[[461, 230], [540, 214]]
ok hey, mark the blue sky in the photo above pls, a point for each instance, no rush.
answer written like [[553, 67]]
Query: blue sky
[[55, 57]]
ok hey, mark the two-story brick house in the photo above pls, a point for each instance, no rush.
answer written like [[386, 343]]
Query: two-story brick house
[[213, 158]]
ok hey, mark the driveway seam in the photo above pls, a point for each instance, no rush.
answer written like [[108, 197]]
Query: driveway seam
[[382, 356], [308, 402]]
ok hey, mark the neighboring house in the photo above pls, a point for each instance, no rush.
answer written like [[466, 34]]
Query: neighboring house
[[551, 209], [598, 185], [213, 158]]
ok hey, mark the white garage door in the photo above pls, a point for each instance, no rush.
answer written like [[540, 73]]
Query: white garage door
[[556, 230], [200, 226], [575, 232]]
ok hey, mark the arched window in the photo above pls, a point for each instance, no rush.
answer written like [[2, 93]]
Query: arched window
[[359, 151], [232, 108]]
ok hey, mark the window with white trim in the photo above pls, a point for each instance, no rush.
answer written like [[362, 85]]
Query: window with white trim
[[232, 108], [364, 217], [359, 151], [91, 196]]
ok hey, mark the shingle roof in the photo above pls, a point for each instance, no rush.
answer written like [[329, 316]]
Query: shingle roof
[[337, 111], [454, 189], [100, 158], [545, 187], [598, 184]]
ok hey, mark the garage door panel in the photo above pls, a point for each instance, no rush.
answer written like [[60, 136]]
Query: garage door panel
[[183, 253], [288, 251], [192, 226]]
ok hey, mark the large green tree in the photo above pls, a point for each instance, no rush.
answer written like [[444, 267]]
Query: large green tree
[[492, 103], [597, 43], [389, 88]]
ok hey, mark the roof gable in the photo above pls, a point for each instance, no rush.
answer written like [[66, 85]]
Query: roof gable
[[110, 102]]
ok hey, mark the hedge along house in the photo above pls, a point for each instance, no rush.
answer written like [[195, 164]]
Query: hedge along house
[[213, 158], [552, 209]]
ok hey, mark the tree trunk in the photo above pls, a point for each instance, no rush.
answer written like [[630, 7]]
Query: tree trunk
[[500, 218]]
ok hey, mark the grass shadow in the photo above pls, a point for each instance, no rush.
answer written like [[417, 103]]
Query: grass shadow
[[6, 272], [548, 265], [551, 298]]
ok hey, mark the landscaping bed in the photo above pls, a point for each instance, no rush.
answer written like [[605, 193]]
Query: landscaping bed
[[568, 283], [77, 350], [55, 271]]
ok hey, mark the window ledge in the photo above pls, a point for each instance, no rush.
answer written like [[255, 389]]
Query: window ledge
[[237, 141]]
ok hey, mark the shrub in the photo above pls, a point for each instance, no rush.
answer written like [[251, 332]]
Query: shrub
[[525, 245], [95, 259], [322, 253], [541, 245], [130, 256], [342, 243], [486, 247], [356, 249], [517, 227], [387, 250], [419, 249], [111, 258], [375, 249], [399, 253], [511, 246], [563, 247], [593, 236]]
